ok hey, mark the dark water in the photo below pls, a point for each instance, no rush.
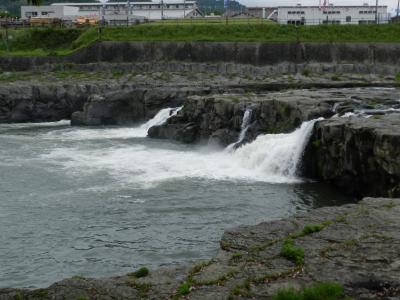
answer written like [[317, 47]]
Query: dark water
[[101, 202]]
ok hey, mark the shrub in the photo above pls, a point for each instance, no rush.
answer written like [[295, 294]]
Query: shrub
[[142, 272]]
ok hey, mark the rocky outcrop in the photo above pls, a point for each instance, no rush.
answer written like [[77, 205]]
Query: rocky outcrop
[[42, 102], [354, 245], [131, 105], [358, 154], [218, 118]]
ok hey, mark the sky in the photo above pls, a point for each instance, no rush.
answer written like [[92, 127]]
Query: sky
[[392, 4]]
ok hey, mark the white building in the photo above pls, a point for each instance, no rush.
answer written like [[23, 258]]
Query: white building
[[314, 15], [49, 11], [115, 11]]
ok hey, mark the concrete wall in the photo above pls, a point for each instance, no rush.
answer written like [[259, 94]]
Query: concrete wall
[[256, 54]]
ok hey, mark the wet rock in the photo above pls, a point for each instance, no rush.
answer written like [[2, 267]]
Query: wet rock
[[358, 154], [354, 245]]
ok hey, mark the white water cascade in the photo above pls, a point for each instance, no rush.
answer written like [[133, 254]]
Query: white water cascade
[[272, 158], [161, 117], [276, 154], [243, 129]]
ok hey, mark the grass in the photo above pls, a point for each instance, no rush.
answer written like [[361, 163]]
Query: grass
[[184, 288], [293, 253], [142, 288], [397, 77], [309, 229], [142, 272], [42, 42], [318, 291]]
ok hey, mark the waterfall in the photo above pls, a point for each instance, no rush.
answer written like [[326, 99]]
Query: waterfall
[[243, 129], [276, 154], [161, 117]]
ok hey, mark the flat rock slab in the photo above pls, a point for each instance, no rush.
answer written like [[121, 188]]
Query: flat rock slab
[[355, 245]]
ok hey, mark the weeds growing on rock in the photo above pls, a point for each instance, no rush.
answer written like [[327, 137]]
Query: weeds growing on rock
[[292, 252], [142, 288], [142, 272], [306, 73], [184, 288], [397, 77], [309, 229], [318, 291]]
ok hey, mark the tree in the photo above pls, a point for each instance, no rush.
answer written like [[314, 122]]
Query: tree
[[31, 2], [34, 2]]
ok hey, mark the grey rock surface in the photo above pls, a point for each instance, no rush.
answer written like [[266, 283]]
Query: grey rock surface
[[358, 154], [355, 245]]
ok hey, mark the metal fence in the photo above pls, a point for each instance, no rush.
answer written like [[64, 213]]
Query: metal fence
[[332, 21]]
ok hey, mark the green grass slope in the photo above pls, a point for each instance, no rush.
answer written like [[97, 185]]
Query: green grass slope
[[65, 41]]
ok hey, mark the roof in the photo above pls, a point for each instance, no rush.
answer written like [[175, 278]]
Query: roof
[[122, 3], [334, 6]]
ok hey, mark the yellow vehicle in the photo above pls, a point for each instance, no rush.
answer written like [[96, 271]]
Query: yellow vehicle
[[86, 21]]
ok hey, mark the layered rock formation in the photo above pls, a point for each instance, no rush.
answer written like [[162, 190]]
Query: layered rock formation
[[355, 245], [360, 155], [218, 118], [356, 148], [131, 105]]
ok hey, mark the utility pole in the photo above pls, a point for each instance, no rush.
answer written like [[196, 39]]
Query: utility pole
[[162, 10], [398, 9], [7, 46], [184, 9], [128, 12], [376, 12]]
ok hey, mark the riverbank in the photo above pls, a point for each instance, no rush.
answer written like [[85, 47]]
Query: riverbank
[[354, 246], [52, 42]]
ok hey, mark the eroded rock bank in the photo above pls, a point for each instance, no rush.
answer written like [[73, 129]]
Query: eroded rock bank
[[358, 154], [354, 245], [356, 147]]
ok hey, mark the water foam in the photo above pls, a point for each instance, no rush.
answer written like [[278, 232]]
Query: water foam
[[113, 133], [243, 129], [270, 158]]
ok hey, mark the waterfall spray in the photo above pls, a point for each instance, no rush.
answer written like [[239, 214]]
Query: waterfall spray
[[243, 129]]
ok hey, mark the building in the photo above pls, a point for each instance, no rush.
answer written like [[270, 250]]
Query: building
[[260, 12], [314, 15], [49, 11], [115, 12]]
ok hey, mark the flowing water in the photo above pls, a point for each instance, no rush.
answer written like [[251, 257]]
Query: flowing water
[[104, 201], [244, 127]]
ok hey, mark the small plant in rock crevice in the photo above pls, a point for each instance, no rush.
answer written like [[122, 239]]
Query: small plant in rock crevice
[[293, 253]]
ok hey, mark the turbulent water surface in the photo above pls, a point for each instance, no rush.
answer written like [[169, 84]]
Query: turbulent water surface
[[103, 201]]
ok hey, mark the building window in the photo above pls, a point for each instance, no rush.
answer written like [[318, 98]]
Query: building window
[[348, 19], [295, 22], [31, 14], [330, 22]]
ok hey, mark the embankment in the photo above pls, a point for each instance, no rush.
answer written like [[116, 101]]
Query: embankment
[[380, 58]]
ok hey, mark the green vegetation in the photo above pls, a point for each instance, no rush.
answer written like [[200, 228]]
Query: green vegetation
[[184, 288], [397, 77], [306, 73], [292, 252], [50, 41], [309, 229], [318, 291], [142, 272], [142, 288]]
